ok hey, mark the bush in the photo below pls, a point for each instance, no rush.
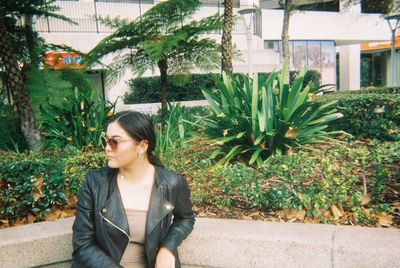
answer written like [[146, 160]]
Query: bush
[[322, 183], [253, 119], [367, 115], [10, 131], [371, 90], [33, 183], [30, 183], [77, 165], [147, 89], [80, 121]]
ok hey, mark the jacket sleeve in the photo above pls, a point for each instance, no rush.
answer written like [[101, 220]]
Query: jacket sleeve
[[86, 253], [184, 219]]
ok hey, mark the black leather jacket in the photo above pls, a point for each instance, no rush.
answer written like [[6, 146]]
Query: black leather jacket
[[101, 232]]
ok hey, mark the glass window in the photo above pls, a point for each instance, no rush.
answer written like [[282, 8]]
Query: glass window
[[373, 6], [300, 54], [314, 55], [328, 62]]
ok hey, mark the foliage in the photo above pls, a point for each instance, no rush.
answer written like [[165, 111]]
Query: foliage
[[312, 78], [255, 118], [166, 38], [12, 138], [367, 115], [176, 130], [323, 184], [146, 89], [371, 90], [30, 183], [185, 88], [80, 121], [77, 164], [50, 87]]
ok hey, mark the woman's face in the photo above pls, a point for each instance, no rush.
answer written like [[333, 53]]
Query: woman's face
[[126, 150]]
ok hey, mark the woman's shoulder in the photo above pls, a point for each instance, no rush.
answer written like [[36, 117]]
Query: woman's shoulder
[[169, 176], [100, 174]]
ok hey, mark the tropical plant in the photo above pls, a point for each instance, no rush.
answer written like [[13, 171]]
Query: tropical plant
[[255, 118], [80, 121], [163, 37], [175, 131], [10, 13]]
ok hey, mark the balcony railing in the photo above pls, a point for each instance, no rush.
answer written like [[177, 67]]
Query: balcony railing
[[87, 15]]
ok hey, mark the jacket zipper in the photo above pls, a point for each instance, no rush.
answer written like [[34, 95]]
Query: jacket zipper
[[162, 193], [110, 222]]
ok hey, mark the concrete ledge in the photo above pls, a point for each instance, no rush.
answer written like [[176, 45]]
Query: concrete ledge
[[225, 243]]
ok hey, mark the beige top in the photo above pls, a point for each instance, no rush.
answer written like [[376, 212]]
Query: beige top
[[135, 255]]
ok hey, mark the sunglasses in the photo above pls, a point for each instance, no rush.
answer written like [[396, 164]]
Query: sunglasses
[[112, 142]]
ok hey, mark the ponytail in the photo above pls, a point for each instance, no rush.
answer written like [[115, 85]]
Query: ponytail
[[154, 160]]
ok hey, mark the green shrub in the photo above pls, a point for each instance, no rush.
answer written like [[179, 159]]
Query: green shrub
[[147, 89], [77, 165], [315, 181], [12, 138], [367, 115], [30, 183], [371, 90], [80, 121], [37, 183], [255, 118]]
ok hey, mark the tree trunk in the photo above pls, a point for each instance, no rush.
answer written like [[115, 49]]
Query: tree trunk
[[226, 42], [285, 36], [15, 83], [163, 67]]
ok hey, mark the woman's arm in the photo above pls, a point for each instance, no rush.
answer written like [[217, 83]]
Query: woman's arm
[[86, 252], [184, 219]]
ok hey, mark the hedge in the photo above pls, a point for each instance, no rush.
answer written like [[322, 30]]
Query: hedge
[[187, 88], [367, 115]]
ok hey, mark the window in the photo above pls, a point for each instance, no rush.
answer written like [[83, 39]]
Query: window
[[329, 5], [313, 55], [373, 6]]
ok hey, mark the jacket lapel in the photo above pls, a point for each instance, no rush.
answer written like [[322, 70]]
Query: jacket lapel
[[159, 207]]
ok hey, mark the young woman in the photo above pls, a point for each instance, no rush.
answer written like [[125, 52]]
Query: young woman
[[133, 213]]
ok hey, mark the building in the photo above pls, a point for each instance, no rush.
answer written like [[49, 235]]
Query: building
[[326, 37]]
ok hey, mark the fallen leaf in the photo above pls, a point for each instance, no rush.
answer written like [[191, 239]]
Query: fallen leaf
[[337, 210], [366, 199], [385, 220]]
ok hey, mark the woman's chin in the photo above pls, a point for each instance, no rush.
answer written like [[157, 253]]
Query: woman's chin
[[112, 164]]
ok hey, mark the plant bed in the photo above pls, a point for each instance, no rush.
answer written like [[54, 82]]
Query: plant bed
[[315, 184]]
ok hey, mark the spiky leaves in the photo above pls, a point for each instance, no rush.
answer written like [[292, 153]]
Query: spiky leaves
[[254, 118]]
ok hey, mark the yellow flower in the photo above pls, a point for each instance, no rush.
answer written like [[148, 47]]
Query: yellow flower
[[311, 96], [110, 114], [91, 129], [69, 138]]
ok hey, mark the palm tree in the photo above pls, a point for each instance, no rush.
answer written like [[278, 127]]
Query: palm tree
[[163, 38], [226, 41], [10, 11]]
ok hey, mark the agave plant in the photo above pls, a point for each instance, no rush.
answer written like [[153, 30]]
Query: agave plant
[[255, 118]]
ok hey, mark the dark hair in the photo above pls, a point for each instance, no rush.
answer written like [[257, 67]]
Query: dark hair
[[140, 127]]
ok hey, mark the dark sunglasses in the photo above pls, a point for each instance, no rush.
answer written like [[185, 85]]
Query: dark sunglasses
[[112, 142]]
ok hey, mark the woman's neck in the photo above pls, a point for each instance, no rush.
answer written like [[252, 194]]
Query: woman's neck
[[137, 172]]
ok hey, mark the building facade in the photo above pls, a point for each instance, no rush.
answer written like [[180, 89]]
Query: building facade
[[326, 37]]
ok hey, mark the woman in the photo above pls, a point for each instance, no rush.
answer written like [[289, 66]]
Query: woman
[[133, 213]]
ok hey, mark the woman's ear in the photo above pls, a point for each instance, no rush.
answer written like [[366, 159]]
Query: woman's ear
[[143, 146]]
